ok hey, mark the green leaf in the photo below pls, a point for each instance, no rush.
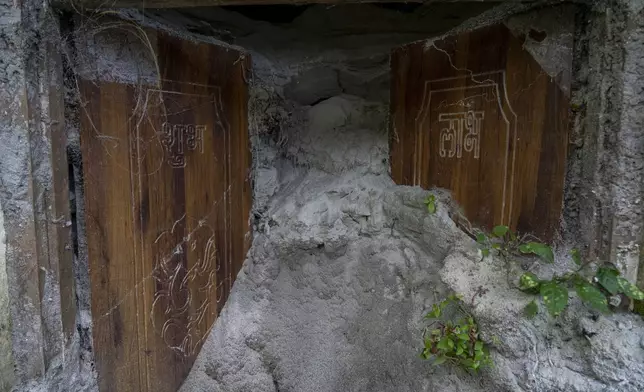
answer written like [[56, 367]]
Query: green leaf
[[576, 256], [467, 363], [607, 277], [630, 290], [478, 355], [555, 297], [430, 201], [450, 343], [531, 310], [435, 313], [543, 251], [439, 360], [454, 297], [529, 282], [513, 236], [478, 346], [481, 238], [464, 337], [485, 252], [638, 307], [500, 231], [591, 295], [460, 351], [444, 344]]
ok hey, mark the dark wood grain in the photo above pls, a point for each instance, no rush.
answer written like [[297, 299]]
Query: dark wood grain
[[60, 242], [167, 194], [516, 173]]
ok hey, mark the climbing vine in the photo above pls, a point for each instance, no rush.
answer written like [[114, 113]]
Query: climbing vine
[[595, 290]]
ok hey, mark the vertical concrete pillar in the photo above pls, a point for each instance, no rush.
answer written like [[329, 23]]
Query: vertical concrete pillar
[[610, 147], [33, 193], [628, 187]]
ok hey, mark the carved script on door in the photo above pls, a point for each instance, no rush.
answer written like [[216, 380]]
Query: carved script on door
[[452, 139], [465, 135], [177, 138]]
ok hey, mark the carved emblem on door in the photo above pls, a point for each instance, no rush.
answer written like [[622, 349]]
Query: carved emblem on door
[[462, 132], [177, 138]]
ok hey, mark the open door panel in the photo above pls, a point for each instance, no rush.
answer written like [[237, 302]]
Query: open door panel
[[167, 196], [475, 113]]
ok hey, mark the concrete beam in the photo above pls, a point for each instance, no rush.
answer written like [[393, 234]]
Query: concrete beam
[[93, 4]]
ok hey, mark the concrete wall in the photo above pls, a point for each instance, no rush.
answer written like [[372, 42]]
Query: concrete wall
[[37, 246], [16, 200]]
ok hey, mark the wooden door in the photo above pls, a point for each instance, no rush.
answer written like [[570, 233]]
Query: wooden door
[[476, 114], [167, 194]]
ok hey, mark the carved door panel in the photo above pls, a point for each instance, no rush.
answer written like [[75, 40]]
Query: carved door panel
[[167, 196], [475, 113]]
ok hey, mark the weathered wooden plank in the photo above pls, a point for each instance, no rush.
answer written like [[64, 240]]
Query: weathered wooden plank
[[109, 216], [60, 237], [476, 114], [167, 176], [52, 217]]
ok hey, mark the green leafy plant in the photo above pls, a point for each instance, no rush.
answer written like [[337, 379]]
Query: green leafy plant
[[639, 307], [594, 292], [506, 243], [453, 337], [554, 292], [431, 204]]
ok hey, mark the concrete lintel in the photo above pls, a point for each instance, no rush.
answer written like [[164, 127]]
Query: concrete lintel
[[93, 4]]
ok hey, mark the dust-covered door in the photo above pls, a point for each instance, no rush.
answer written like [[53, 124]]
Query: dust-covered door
[[167, 197], [478, 114]]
